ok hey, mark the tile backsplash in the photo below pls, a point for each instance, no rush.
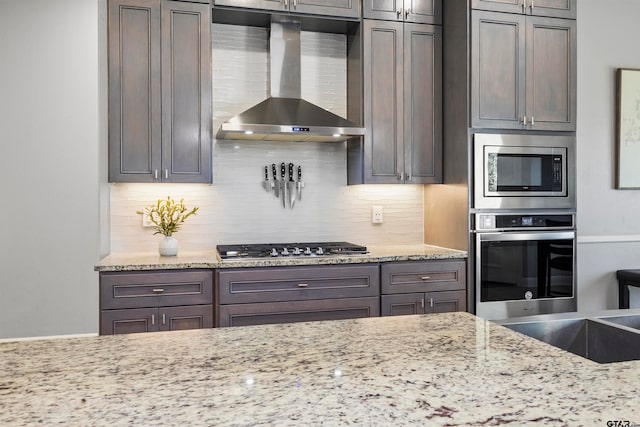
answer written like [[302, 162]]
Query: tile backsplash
[[236, 209]]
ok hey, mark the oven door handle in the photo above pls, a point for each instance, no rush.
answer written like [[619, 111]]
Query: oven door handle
[[520, 236]]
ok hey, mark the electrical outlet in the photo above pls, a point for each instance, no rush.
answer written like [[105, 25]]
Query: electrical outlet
[[146, 222], [376, 214]]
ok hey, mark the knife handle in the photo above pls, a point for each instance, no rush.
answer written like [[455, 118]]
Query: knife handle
[[290, 171], [299, 173], [283, 170], [273, 169]]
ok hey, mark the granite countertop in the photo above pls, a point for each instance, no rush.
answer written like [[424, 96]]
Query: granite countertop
[[441, 369], [211, 259]]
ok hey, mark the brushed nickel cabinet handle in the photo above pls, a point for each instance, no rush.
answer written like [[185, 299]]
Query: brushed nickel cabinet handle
[[422, 303], [524, 120], [286, 3], [155, 174], [295, 3], [399, 13], [153, 319], [533, 121], [406, 13], [425, 278], [166, 173], [303, 285], [531, 6], [431, 302], [157, 290], [164, 319], [524, 6]]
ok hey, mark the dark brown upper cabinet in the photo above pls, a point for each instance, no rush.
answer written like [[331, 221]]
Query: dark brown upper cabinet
[[550, 8], [160, 112], [415, 11], [523, 72], [338, 8], [402, 103]]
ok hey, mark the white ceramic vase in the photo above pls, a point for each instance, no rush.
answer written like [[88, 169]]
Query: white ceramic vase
[[168, 246]]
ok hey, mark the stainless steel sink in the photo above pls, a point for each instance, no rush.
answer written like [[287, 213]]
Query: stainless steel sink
[[602, 339]]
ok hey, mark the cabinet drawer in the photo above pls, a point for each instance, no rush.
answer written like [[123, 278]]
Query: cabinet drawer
[[407, 277], [155, 289], [249, 285], [297, 311]]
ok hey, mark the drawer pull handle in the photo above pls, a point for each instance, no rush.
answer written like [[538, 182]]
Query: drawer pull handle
[[153, 319], [425, 278], [158, 291], [431, 302], [303, 285]]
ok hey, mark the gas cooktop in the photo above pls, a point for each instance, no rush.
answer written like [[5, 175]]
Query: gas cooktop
[[305, 249]]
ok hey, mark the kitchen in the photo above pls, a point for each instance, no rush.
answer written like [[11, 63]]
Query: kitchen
[[60, 295]]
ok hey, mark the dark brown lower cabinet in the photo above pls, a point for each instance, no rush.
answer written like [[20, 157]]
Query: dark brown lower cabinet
[[297, 311], [422, 287], [423, 303], [156, 319], [255, 296], [150, 301]]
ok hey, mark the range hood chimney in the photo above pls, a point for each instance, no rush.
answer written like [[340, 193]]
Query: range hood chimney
[[284, 116]]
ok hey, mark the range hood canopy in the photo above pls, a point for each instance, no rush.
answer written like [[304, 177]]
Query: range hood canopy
[[284, 116]]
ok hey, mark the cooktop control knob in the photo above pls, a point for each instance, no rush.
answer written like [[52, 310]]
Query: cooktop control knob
[[285, 252], [307, 251], [320, 251], [274, 252], [297, 251]]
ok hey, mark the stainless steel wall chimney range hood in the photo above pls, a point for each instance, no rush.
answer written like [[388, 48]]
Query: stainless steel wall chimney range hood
[[284, 116]]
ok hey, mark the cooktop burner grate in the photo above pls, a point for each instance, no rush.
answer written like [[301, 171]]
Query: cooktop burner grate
[[300, 249]]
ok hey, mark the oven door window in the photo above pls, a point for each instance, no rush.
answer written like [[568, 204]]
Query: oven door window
[[526, 269]]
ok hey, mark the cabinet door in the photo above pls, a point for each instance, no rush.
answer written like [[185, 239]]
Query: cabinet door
[[383, 116], [134, 90], [187, 317], [445, 302], [497, 70], [552, 8], [278, 5], [128, 321], [402, 304], [341, 8], [423, 11], [389, 10], [422, 103], [298, 311], [551, 74], [186, 92]]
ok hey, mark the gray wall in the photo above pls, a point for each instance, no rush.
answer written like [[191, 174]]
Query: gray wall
[[608, 220], [49, 167]]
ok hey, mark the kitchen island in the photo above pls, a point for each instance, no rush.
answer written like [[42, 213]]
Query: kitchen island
[[438, 369]]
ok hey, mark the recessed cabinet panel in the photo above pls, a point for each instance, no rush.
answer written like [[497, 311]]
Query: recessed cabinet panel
[[390, 10], [551, 73], [134, 90], [422, 103], [128, 321], [254, 4], [188, 317], [509, 6], [340, 8], [402, 304], [186, 92], [383, 99], [498, 66], [445, 302]]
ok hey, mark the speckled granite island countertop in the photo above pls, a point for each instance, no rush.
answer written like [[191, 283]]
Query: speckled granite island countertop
[[211, 259], [432, 370]]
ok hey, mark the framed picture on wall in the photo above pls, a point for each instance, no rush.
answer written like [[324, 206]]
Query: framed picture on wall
[[628, 129]]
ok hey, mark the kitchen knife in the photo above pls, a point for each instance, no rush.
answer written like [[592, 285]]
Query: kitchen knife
[[283, 184], [299, 184], [291, 184], [276, 185], [266, 184]]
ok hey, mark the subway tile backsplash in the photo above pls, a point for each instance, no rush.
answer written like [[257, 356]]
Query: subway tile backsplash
[[236, 209]]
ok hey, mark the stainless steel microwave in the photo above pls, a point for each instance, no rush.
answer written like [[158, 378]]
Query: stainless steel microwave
[[524, 171]]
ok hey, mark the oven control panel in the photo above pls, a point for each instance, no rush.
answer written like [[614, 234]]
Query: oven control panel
[[519, 221]]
